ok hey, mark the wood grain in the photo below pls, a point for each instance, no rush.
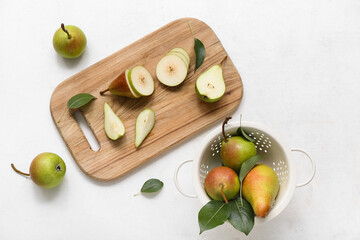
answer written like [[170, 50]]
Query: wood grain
[[179, 112]]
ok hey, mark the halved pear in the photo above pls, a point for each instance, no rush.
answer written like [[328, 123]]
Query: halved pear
[[210, 85], [144, 124], [141, 81], [128, 82], [114, 128], [171, 70], [183, 51], [180, 55]]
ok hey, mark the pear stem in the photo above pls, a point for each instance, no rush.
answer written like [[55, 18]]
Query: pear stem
[[66, 31], [62, 115], [223, 60], [223, 127], [18, 171], [222, 193], [102, 92], [191, 30]]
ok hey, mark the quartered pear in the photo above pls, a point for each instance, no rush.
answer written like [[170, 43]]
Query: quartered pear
[[114, 128], [210, 85], [144, 124], [260, 188]]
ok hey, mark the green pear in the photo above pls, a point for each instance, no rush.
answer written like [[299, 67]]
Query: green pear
[[235, 150], [69, 41], [210, 85], [222, 183], [47, 170], [260, 188], [114, 128]]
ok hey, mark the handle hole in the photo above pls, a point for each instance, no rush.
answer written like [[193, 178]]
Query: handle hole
[[88, 133]]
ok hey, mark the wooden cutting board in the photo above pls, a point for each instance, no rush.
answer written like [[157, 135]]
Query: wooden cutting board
[[179, 112]]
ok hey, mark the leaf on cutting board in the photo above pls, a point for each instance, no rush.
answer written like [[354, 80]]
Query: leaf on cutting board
[[79, 100], [199, 50], [242, 215], [213, 214]]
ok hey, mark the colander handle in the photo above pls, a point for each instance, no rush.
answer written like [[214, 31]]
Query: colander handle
[[176, 181], [313, 165]]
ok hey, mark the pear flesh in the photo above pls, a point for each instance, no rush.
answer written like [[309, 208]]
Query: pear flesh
[[260, 188], [114, 128], [183, 52], [171, 70], [141, 81], [210, 85], [144, 124]]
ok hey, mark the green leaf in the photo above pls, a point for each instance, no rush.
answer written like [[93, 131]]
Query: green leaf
[[242, 215], [152, 185], [199, 53], [242, 133], [213, 214], [248, 165], [79, 100]]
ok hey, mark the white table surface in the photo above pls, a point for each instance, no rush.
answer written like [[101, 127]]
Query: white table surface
[[300, 65]]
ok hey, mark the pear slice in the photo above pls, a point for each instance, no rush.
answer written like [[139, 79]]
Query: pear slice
[[128, 82], [210, 85], [141, 81], [144, 124], [183, 51], [114, 128], [171, 70], [180, 55]]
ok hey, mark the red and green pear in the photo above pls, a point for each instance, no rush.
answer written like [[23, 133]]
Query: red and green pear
[[235, 150], [222, 183], [260, 188]]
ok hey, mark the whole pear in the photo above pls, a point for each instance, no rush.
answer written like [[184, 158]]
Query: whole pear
[[69, 41], [260, 188], [47, 170], [222, 183]]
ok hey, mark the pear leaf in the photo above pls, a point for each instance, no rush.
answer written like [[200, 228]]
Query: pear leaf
[[213, 214], [79, 100], [200, 53], [248, 165], [242, 215], [242, 133], [152, 185]]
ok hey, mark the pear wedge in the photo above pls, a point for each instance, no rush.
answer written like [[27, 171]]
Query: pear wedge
[[141, 81], [144, 124], [210, 85], [114, 128]]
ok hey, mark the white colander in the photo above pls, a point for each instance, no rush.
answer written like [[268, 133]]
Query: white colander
[[276, 155]]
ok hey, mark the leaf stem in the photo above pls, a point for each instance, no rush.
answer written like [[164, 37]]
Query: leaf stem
[[137, 194], [241, 200], [223, 60], [223, 195], [191, 30], [104, 91], [62, 115], [66, 31], [223, 127], [18, 171]]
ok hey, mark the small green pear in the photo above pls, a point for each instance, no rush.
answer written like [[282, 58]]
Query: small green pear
[[69, 41], [260, 188], [47, 170], [210, 85], [114, 128], [222, 183]]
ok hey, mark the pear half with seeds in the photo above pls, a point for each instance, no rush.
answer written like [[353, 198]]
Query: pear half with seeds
[[144, 124], [114, 128], [210, 85]]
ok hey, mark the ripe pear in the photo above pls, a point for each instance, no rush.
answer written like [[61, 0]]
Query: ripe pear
[[260, 188], [47, 170], [121, 86], [235, 150], [222, 183], [69, 41]]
